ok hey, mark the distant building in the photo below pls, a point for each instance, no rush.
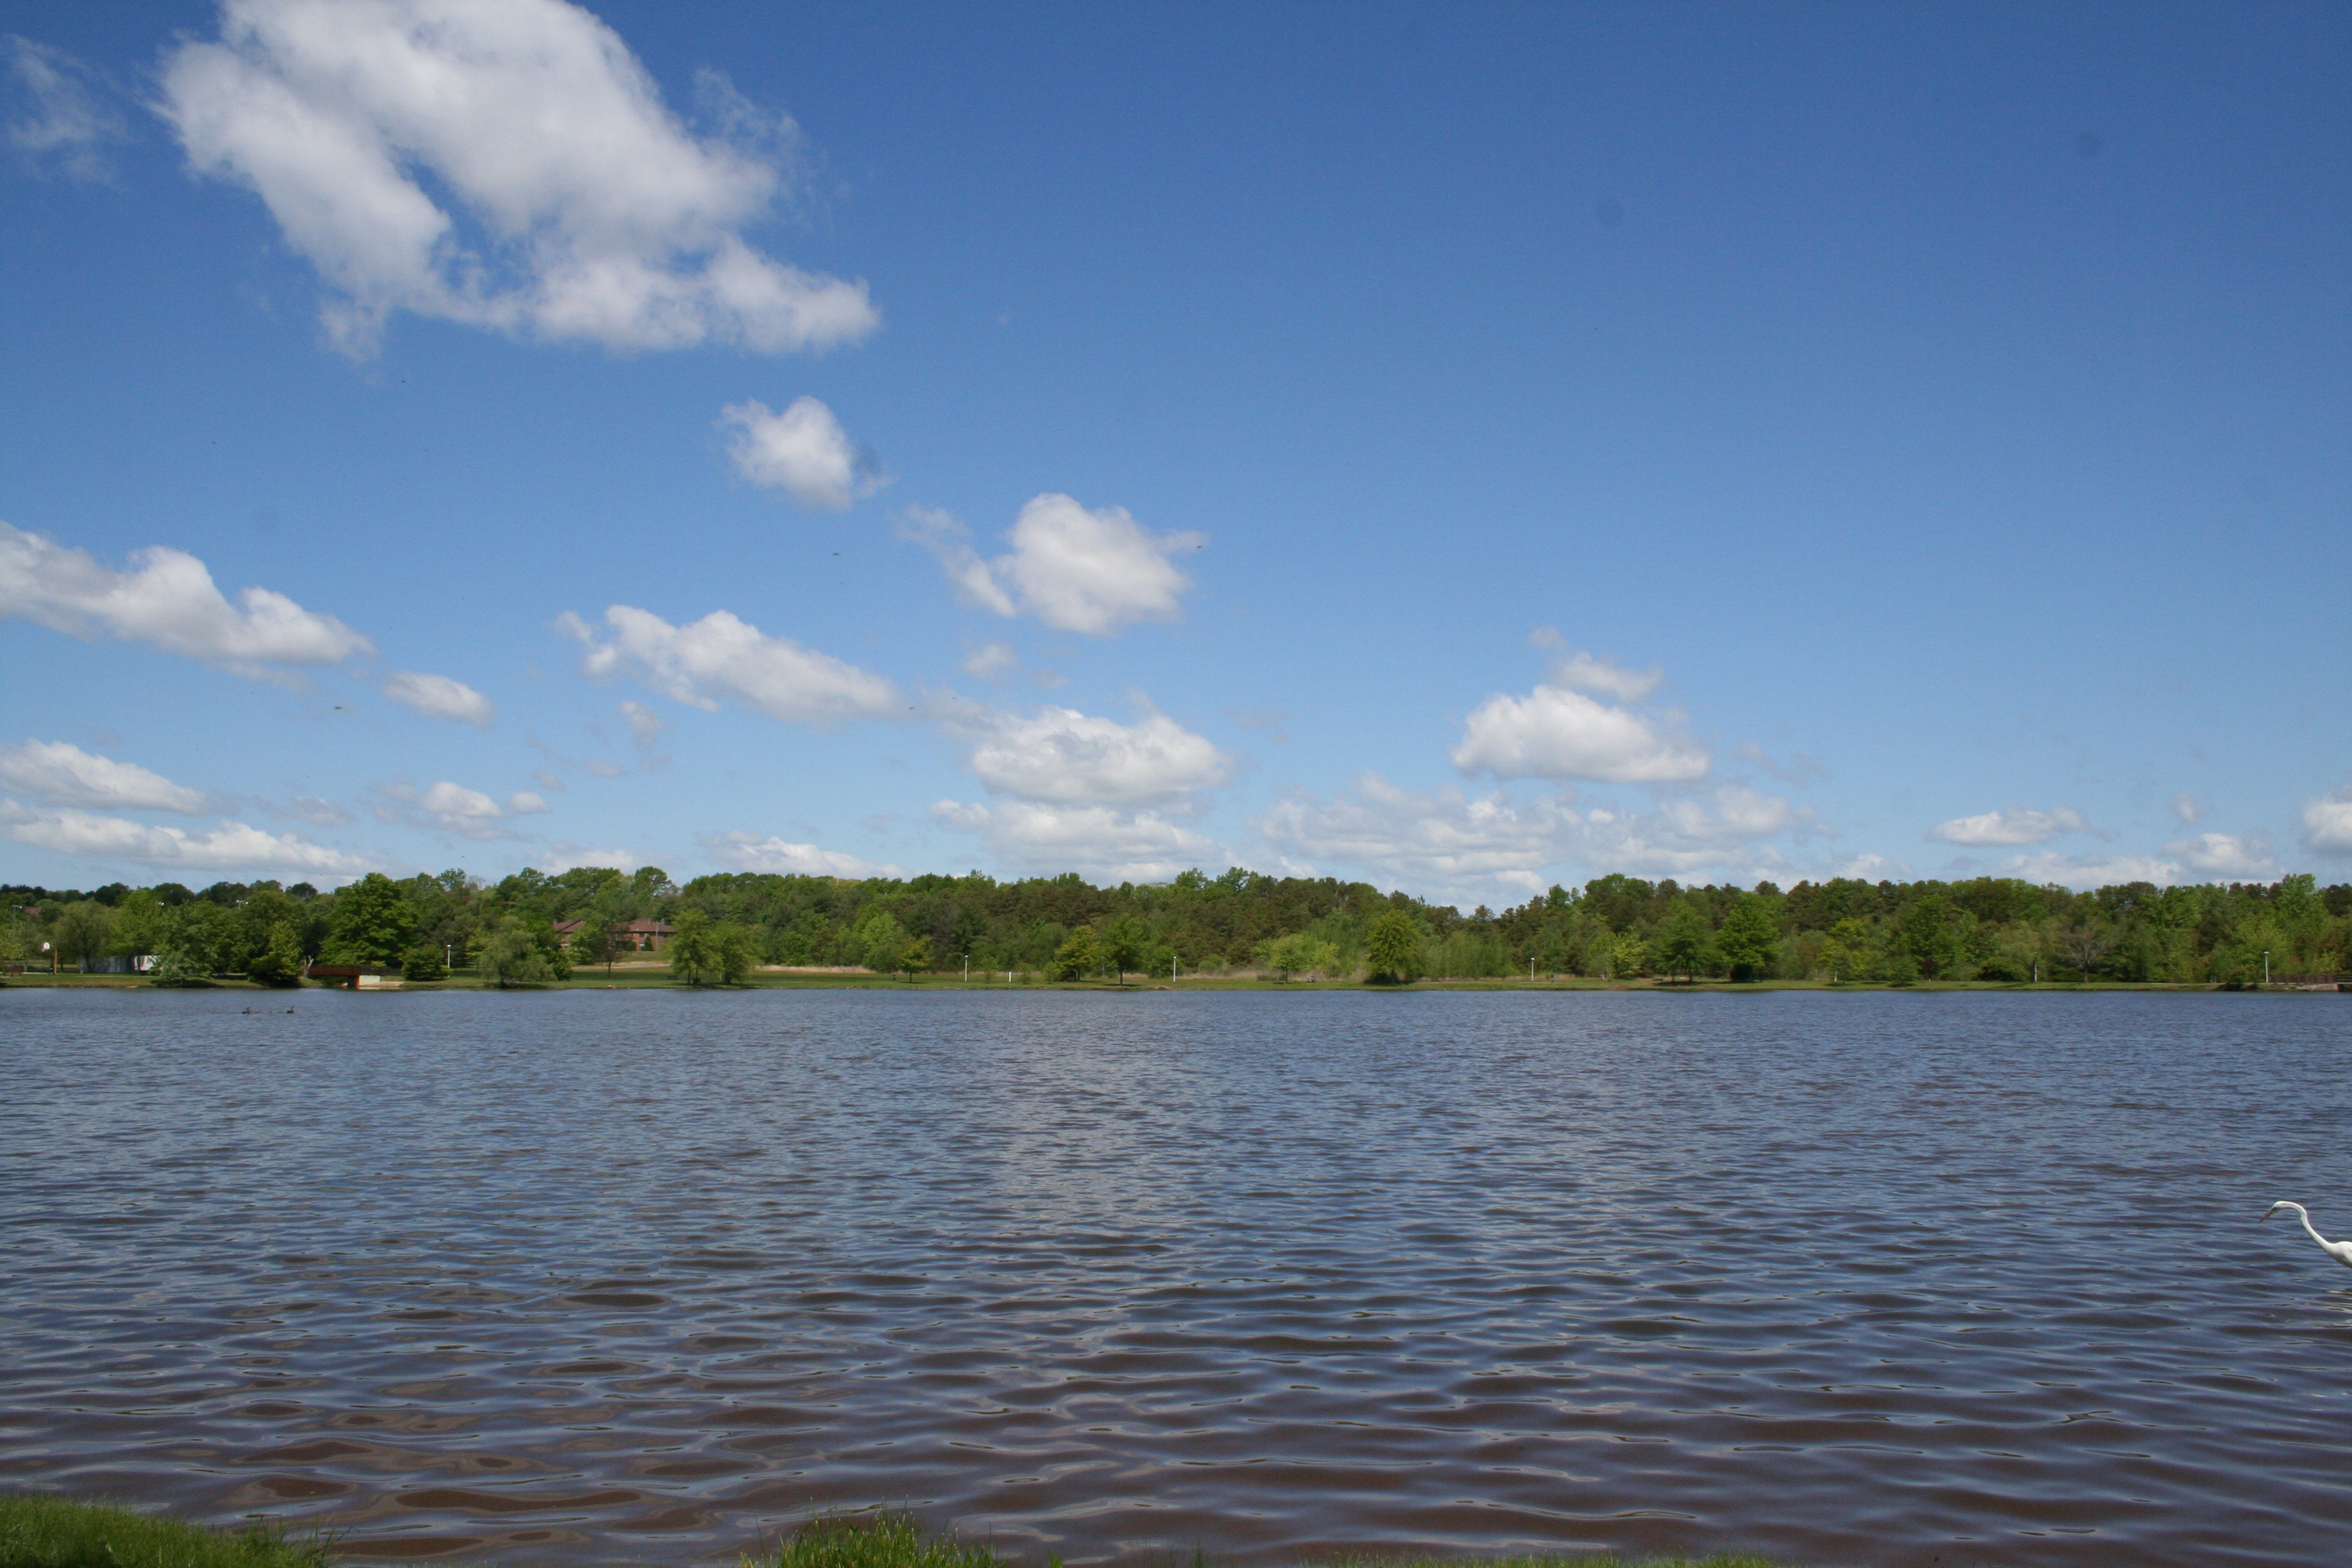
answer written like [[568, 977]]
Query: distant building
[[641, 936]]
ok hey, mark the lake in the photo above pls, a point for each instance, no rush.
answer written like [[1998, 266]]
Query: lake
[[583, 1276]]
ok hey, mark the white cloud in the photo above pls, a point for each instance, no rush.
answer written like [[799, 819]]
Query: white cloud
[[1465, 846], [1098, 842], [719, 656], [749, 852], [570, 857], [2009, 826], [61, 119], [233, 845], [64, 775], [2328, 822], [166, 600], [1554, 732], [1590, 672], [990, 661], [804, 451], [2243, 858], [438, 697], [457, 809], [577, 207], [645, 726], [2186, 807], [1066, 757], [1074, 569], [2083, 871]]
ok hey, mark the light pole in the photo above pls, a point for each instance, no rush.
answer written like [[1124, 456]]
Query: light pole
[[2266, 966]]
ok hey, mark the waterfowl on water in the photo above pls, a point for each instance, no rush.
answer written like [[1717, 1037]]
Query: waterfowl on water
[[2339, 1250]]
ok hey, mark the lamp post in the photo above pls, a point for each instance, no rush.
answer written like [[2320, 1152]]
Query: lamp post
[[2266, 966]]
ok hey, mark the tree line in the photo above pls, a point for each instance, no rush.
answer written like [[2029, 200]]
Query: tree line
[[1063, 928]]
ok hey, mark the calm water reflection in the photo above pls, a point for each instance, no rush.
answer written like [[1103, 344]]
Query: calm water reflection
[[575, 1277]]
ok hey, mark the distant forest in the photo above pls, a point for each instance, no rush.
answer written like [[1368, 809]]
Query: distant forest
[[1614, 927]]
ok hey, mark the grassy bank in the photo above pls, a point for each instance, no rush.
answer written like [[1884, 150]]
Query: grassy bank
[[38, 1532]]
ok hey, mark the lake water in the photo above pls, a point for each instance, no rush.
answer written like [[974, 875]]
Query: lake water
[[584, 1277]]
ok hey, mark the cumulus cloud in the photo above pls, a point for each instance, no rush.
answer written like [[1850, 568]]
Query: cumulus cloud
[[2328, 822], [804, 452], [570, 857], [1100, 842], [1469, 845], [504, 164], [63, 773], [1063, 756], [457, 809], [165, 600], [1591, 672], [1556, 732], [1074, 569], [2005, 827], [2186, 807], [438, 697], [59, 118], [750, 852], [2242, 858], [233, 845], [2084, 872], [722, 656]]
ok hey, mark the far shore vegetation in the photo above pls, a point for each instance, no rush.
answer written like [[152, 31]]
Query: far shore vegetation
[[593, 926], [38, 1531]]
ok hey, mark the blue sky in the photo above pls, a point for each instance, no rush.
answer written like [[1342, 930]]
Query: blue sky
[[1464, 448]]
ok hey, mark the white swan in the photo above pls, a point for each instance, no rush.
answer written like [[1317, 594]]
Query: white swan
[[2339, 1250]]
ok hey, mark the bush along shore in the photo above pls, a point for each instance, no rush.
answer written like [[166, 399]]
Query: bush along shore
[[40, 1531], [533, 929]]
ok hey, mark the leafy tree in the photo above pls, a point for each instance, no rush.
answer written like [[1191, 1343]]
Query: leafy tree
[[881, 942], [1392, 947], [279, 963], [1629, 956], [1301, 952], [174, 966], [1079, 956], [83, 932], [1930, 932], [423, 963], [1846, 953], [916, 956], [374, 921], [592, 943], [738, 948], [1684, 946], [1124, 943], [1750, 938], [509, 956], [142, 922]]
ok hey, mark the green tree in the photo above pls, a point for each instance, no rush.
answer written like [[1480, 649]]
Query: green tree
[[916, 956], [1629, 956], [509, 956], [142, 922], [1079, 956], [423, 963], [881, 942], [1845, 955], [738, 948], [1929, 931], [1124, 943], [83, 932], [279, 962], [1683, 946], [592, 943], [1392, 947], [1300, 952], [693, 950], [1750, 938], [374, 922]]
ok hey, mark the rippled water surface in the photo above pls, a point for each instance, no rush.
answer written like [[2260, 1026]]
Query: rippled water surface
[[586, 1277]]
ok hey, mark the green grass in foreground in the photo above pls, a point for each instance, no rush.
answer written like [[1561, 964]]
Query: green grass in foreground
[[38, 1532], [57, 1532]]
